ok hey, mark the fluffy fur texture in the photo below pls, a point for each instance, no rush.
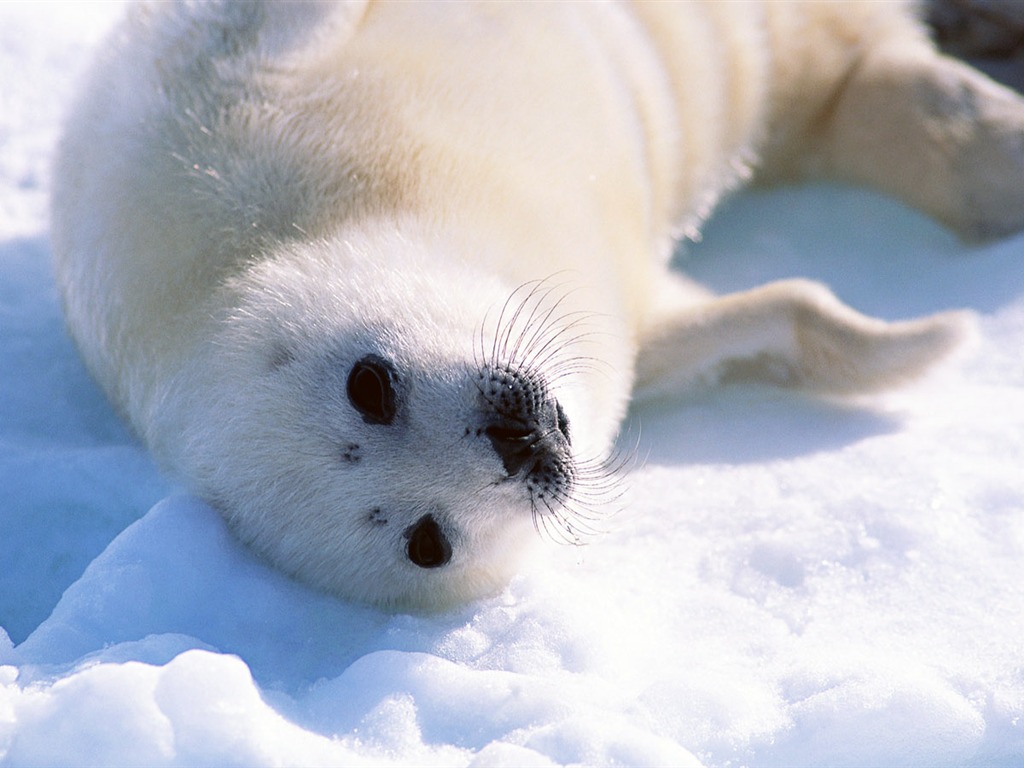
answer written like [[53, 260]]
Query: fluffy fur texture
[[378, 279]]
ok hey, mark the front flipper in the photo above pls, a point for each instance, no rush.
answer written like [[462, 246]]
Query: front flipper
[[791, 333]]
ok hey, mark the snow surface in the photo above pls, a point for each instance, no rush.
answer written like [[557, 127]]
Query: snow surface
[[794, 582]]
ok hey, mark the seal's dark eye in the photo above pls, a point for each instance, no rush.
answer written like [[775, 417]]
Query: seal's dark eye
[[371, 389], [428, 546]]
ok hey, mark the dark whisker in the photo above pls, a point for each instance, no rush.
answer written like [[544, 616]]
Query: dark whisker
[[537, 336], [534, 298], [545, 324], [501, 317], [544, 356]]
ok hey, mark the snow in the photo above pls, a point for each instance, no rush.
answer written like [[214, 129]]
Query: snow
[[795, 581]]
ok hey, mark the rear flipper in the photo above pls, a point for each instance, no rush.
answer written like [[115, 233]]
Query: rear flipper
[[934, 132], [792, 333]]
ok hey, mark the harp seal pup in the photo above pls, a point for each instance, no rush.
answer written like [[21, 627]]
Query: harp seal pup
[[377, 280]]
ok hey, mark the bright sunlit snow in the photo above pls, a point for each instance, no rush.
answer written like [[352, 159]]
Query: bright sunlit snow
[[793, 582]]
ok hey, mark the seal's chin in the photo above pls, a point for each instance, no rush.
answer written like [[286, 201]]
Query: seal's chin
[[428, 546]]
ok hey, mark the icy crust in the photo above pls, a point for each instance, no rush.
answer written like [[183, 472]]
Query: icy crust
[[794, 582]]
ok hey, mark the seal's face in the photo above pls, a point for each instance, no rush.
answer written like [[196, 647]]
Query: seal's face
[[431, 473], [384, 439], [511, 412]]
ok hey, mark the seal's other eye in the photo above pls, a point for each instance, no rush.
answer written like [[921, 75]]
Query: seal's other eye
[[371, 389]]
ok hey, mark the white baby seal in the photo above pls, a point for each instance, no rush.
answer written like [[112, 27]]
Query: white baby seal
[[377, 279]]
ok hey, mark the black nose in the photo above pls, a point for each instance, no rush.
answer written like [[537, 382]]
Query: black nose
[[522, 442], [526, 423], [428, 546], [515, 442]]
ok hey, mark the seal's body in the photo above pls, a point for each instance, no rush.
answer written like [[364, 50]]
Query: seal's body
[[377, 279]]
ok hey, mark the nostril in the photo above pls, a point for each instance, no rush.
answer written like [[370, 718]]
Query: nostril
[[523, 422], [428, 546], [512, 433], [514, 442]]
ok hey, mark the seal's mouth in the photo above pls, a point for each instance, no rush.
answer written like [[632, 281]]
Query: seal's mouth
[[428, 546]]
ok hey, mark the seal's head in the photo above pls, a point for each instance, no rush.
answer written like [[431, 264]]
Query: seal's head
[[392, 430]]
